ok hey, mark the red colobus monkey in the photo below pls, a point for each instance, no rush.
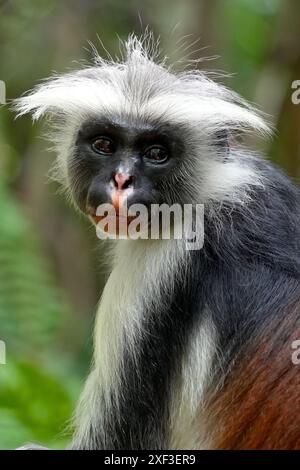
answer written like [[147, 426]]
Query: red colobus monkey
[[193, 348]]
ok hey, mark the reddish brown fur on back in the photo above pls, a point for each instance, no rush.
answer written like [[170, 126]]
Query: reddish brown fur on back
[[259, 406]]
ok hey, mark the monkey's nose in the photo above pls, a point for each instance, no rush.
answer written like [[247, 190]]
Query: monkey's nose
[[123, 181]]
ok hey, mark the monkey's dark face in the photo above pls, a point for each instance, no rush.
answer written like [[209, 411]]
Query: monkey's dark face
[[120, 162]]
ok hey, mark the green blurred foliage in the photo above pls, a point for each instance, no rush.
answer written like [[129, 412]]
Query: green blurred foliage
[[50, 272], [35, 397], [34, 405]]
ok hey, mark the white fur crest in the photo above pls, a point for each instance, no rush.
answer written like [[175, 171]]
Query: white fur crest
[[140, 88]]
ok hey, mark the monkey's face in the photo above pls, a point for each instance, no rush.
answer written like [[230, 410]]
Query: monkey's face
[[133, 132], [122, 162]]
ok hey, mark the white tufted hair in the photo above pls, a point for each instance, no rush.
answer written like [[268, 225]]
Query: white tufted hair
[[141, 86]]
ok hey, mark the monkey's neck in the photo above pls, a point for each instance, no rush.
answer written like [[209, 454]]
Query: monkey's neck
[[142, 279], [143, 326]]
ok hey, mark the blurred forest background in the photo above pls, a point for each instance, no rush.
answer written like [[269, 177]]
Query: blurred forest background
[[51, 273]]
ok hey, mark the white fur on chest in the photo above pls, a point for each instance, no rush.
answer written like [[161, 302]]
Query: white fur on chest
[[188, 428], [141, 273]]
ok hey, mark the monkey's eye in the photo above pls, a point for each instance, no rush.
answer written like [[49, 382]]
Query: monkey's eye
[[103, 145], [157, 154]]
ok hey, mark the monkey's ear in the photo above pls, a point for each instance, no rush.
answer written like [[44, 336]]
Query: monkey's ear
[[225, 141]]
